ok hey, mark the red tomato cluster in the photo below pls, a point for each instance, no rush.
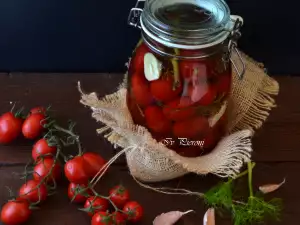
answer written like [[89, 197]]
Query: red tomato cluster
[[169, 109], [99, 207], [12, 125], [47, 170]]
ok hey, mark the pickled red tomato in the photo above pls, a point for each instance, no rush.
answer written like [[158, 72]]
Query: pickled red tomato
[[156, 120], [192, 151], [202, 93], [163, 89], [191, 69], [224, 84], [191, 127], [140, 89], [179, 109], [137, 62], [135, 111]]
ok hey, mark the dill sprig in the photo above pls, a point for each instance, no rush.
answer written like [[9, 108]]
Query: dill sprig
[[256, 210], [252, 211], [220, 196]]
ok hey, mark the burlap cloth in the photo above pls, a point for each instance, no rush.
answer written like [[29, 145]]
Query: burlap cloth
[[150, 161]]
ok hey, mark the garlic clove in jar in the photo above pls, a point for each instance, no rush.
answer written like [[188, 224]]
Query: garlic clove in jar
[[152, 67]]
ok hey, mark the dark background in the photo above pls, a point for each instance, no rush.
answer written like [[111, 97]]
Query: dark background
[[93, 35]]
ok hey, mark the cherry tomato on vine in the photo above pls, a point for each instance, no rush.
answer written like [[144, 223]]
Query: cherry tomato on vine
[[10, 127], [39, 109], [31, 192], [119, 195], [75, 188], [95, 162], [95, 204], [42, 149], [15, 212], [134, 211], [33, 126], [102, 218], [42, 169], [119, 218], [77, 170]]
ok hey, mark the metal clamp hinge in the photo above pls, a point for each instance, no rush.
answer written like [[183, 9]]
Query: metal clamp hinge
[[235, 34], [135, 14]]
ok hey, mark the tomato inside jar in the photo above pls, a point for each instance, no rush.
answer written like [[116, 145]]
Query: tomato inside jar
[[180, 74]]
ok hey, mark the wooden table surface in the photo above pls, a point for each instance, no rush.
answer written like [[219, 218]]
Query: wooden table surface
[[276, 149]]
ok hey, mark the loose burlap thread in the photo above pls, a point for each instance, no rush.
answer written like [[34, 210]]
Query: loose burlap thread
[[150, 161]]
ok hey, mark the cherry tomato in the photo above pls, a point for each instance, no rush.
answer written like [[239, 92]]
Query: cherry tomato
[[94, 161], [191, 127], [33, 126], [179, 109], [224, 84], [135, 111], [156, 120], [119, 195], [10, 127], [39, 109], [80, 198], [42, 149], [192, 151], [210, 139], [134, 211], [15, 212], [42, 169], [163, 89], [119, 218], [77, 170], [31, 192], [102, 218], [191, 69], [95, 204], [204, 94], [140, 90], [138, 59]]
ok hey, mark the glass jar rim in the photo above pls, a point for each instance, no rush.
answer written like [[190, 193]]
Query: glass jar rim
[[213, 29]]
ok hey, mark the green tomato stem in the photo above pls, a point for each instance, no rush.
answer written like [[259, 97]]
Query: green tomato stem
[[176, 69], [80, 151], [250, 179]]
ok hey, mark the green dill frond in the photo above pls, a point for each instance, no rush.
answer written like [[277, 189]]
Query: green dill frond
[[256, 210], [219, 196]]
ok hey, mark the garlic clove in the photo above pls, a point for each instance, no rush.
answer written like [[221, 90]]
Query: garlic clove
[[152, 67], [209, 217]]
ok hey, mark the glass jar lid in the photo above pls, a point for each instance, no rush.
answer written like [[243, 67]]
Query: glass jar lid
[[188, 24]]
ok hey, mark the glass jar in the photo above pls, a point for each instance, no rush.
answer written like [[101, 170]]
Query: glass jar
[[181, 71]]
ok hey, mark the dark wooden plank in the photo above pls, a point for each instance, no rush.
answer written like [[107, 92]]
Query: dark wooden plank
[[278, 140], [57, 210]]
